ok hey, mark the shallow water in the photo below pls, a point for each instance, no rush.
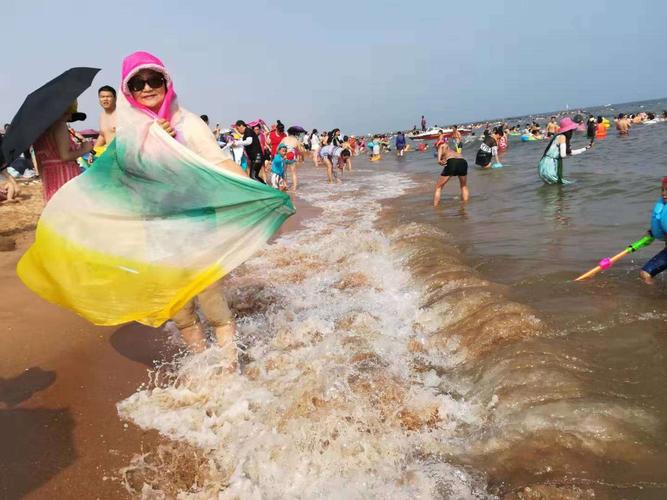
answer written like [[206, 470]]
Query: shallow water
[[397, 351]]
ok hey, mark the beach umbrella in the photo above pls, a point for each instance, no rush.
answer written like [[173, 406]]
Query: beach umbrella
[[606, 263], [43, 107]]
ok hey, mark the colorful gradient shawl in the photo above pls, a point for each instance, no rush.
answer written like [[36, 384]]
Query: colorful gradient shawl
[[149, 226]]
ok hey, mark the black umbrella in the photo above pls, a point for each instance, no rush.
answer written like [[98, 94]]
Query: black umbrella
[[295, 130], [43, 107]]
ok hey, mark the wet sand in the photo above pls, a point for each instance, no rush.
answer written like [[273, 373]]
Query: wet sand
[[60, 380]]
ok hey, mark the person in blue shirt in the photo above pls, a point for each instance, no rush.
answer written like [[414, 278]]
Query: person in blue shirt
[[659, 262], [400, 143], [278, 169]]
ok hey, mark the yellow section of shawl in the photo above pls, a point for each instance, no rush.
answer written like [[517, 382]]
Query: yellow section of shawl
[[105, 289]]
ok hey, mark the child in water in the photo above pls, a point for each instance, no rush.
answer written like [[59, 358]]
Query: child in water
[[278, 169], [376, 145], [659, 262]]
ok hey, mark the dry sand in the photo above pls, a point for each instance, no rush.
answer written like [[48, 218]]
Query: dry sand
[[60, 379]]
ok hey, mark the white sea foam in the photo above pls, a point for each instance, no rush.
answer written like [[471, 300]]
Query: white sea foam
[[341, 395], [330, 404]]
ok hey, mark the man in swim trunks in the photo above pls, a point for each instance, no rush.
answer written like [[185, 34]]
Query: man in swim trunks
[[455, 166]]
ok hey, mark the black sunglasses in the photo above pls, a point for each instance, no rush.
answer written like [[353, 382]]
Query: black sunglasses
[[137, 84]]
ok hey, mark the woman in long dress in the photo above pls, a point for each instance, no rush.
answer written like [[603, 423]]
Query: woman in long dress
[[550, 167]]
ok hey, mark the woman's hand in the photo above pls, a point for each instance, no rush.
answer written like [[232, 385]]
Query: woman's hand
[[166, 126], [87, 147]]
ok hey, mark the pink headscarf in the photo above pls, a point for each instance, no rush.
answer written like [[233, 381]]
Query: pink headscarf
[[134, 63]]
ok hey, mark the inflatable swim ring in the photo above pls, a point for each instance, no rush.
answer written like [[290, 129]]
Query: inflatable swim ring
[[659, 220], [527, 137]]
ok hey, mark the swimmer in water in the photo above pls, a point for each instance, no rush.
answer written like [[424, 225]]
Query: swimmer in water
[[622, 125]]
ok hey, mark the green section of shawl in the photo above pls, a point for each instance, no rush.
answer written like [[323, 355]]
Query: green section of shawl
[[182, 189]]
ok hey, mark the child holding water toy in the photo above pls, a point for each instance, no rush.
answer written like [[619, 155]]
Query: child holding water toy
[[658, 225]]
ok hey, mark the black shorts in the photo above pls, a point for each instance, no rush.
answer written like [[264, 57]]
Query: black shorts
[[483, 159], [455, 167]]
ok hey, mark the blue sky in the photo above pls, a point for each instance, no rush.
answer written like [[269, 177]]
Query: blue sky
[[362, 66]]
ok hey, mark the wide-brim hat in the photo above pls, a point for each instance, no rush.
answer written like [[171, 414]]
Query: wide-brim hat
[[566, 124]]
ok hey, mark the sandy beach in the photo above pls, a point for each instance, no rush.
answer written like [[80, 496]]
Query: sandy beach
[[60, 380]]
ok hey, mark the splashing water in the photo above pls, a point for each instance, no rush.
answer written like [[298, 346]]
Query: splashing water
[[377, 364], [330, 403]]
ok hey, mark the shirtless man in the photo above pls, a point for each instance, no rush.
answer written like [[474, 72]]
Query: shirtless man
[[552, 127], [455, 166], [622, 125], [107, 97]]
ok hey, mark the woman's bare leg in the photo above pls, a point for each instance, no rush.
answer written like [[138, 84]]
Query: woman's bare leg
[[438, 189], [295, 183], [224, 336], [193, 336], [463, 181], [329, 166]]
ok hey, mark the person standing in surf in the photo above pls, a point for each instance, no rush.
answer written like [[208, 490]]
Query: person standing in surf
[[455, 166], [623, 124], [333, 158], [400, 143], [502, 140], [658, 263], [457, 138], [550, 167], [552, 127], [148, 86], [315, 146], [294, 148]]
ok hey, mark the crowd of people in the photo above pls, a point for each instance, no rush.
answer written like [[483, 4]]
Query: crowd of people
[[271, 155], [550, 166]]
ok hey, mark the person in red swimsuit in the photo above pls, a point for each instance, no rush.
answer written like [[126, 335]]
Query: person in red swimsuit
[[56, 154], [276, 136]]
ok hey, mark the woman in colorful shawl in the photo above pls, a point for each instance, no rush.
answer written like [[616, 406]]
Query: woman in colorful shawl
[[148, 86], [154, 226]]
